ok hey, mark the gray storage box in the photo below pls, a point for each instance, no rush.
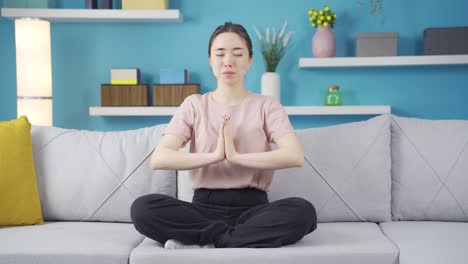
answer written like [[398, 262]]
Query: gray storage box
[[444, 41], [376, 44]]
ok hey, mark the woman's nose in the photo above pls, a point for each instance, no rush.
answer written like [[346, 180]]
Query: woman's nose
[[227, 61]]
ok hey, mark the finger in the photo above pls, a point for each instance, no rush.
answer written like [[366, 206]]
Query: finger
[[221, 128]]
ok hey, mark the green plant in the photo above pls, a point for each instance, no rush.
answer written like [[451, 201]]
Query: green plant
[[273, 49], [323, 18]]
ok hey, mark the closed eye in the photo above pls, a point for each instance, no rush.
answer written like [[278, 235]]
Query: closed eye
[[237, 55]]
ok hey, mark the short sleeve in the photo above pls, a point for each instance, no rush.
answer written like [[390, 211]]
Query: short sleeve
[[277, 122], [181, 124]]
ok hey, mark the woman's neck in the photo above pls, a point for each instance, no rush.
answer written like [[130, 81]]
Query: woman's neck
[[230, 94]]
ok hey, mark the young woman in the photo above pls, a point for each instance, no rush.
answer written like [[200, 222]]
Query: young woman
[[231, 163]]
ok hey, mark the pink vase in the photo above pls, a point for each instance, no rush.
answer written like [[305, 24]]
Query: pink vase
[[323, 43]]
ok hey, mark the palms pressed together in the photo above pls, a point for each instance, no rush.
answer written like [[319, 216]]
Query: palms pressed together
[[225, 148]]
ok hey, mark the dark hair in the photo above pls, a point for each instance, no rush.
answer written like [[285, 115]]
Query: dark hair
[[235, 28]]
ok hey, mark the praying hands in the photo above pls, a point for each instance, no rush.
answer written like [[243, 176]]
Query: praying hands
[[225, 148]]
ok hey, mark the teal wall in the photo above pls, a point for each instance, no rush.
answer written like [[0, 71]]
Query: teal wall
[[83, 54]]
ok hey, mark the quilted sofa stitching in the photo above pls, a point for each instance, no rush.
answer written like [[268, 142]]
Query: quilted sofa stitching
[[117, 188], [52, 139], [379, 132], [447, 179], [427, 163], [108, 166], [333, 189], [100, 155], [42, 147], [391, 240], [120, 185]]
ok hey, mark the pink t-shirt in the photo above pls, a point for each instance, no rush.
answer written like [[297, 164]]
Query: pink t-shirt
[[255, 122]]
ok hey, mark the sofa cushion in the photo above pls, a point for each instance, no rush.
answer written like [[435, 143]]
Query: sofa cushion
[[68, 242], [346, 172], [19, 197], [424, 242], [95, 176], [358, 243], [429, 169]]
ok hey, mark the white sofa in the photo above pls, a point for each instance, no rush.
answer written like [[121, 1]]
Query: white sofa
[[387, 190]]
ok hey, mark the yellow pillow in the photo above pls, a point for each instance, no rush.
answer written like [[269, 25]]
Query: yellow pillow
[[19, 196]]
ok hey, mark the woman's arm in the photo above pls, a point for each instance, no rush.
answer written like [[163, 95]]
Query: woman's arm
[[167, 157], [289, 152]]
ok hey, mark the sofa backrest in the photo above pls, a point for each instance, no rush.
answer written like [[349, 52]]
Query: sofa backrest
[[184, 184], [429, 169], [346, 175], [95, 176], [385, 168]]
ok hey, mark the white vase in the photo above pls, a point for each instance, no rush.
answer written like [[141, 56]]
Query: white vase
[[271, 84]]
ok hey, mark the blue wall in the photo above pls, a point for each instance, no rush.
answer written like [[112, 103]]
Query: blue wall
[[82, 55]]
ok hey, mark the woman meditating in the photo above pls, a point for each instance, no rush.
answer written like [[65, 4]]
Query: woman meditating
[[230, 161]]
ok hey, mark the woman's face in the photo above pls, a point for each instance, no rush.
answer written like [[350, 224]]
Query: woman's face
[[230, 58]]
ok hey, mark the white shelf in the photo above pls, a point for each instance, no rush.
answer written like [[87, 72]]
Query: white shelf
[[339, 110], [383, 61], [95, 15], [132, 110], [292, 110]]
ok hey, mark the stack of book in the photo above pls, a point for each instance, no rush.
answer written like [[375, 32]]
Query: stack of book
[[93, 4]]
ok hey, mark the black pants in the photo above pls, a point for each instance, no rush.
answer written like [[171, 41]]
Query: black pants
[[225, 217]]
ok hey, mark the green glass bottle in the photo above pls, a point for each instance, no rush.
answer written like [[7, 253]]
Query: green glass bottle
[[333, 96]]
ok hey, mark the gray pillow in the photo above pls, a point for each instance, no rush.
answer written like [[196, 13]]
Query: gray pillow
[[429, 169], [95, 176], [346, 174]]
